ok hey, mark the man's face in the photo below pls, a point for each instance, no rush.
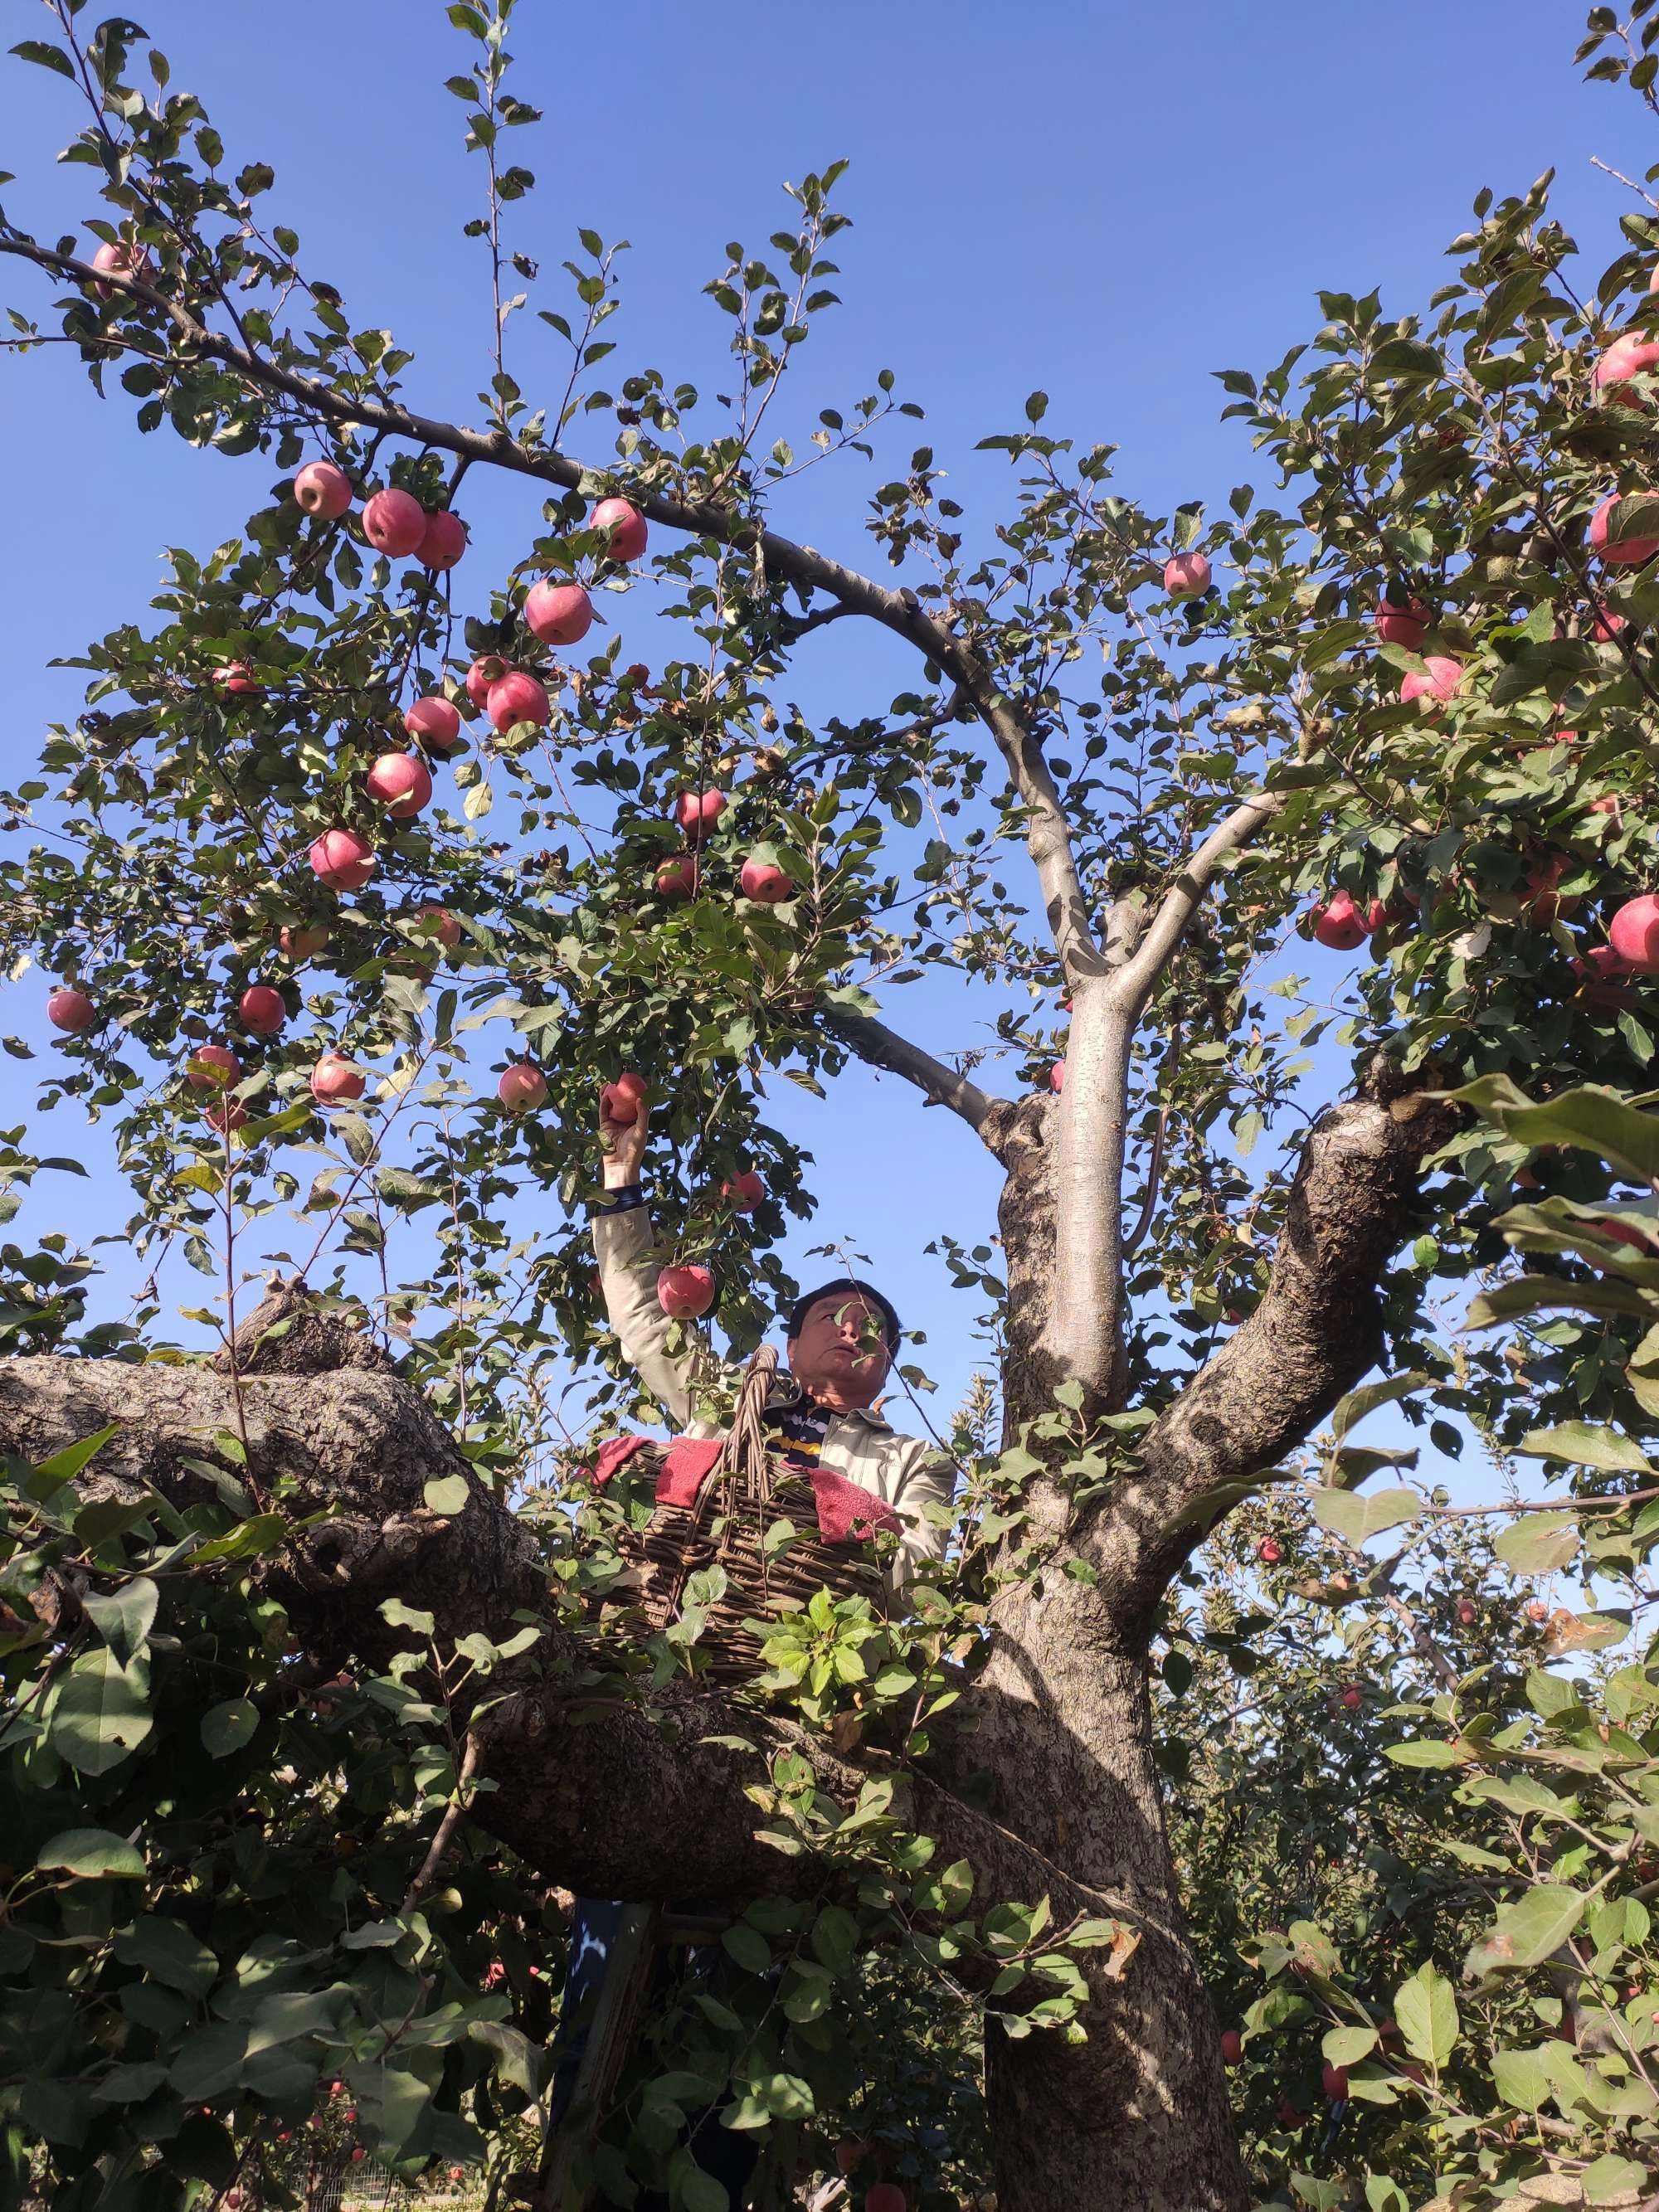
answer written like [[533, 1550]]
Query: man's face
[[841, 1355]]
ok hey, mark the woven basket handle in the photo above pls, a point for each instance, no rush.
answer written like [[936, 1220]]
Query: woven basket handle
[[744, 1459]]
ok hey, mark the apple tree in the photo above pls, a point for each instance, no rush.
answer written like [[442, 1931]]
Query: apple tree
[[1294, 852]]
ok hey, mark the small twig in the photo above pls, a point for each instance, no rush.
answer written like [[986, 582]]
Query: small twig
[[441, 1842]]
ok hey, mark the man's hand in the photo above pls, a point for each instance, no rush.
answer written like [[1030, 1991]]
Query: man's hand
[[623, 1143]]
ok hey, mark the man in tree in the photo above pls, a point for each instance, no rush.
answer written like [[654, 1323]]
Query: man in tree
[[841, 1341]]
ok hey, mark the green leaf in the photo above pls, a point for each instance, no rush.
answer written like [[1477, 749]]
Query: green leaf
[[1594, 1120], [227, 1726], [748, 1947], [93, 1853], [100, 1714], [167, 1951], [1586, 1443], [447, 1493], [1539, 1543], [1426, 2010], [125, 1617], [1352, 1409], [64, 1466], [48, 57], [1610, 2178], [1527, 1933], [1354, 1516], [1522, 2079], [1346, 2046], [1427, 1751]]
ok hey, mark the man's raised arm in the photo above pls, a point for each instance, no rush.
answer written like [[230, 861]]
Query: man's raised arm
[[624, 1244]]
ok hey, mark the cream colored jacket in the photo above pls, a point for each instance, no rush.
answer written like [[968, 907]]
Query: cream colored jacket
[[903, 1471]]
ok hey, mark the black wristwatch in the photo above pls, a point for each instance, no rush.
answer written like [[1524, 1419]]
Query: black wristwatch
[[631, 1195]]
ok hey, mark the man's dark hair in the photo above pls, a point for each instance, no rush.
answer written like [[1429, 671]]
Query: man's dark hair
[[843, 1286]]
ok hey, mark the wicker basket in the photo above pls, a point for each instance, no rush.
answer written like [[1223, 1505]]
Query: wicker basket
[[746, 1492]]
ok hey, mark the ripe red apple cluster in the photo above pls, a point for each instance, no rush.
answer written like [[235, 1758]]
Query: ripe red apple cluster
[[697, 815]]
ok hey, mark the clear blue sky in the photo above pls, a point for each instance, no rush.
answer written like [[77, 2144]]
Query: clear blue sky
[[1105, 202]]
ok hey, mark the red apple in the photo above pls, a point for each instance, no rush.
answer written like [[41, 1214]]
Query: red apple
[[1287, 2115], [334, 1078], [226, 1116], [677, 880], [213, 1068], [262, 1009], [1057, 1076], [402, 784], [627, 525], [71, 1010], [236, 682], [120, 259], [849, 2156], [518, 698], [1351, 1699], [358, 2154], [1468, 1612], [1270, 1551], [697, 813], [443, 541], [1632, 355], [1339, 923], [302, 941], [1187, 576], [438, 921], [436, 723], [761, 880], [620, 1101], [234, 2198], [684, 1292], [1402, 622], [489, 669], [1619, 553], [323, 490], [558, 614], [1334, 2082], [394, 523], [1633, 933], [1438, 681], [1636, 1230], [884, 2197], [745, 1191], [1232, 2046], [1537, 1611], [1606, 626], [522, 1088], [1543, 902], [342, 860]]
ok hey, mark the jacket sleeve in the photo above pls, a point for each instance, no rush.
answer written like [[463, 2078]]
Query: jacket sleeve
[[924, 1479], [625, 1247]]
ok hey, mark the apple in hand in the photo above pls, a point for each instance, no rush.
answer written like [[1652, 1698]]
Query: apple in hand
[[213, 1068], [558, 614], [522, 1088], [323, 490], [627, 527], [436, 723], [394, 523], [402, 784], [620, 1101], [696, 812], [71, 1010], [342, 859]]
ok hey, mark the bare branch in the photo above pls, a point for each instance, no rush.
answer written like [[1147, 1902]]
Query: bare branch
[[874, 1042]]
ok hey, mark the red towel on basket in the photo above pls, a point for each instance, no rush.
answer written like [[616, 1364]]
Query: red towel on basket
[[847, 1513]]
